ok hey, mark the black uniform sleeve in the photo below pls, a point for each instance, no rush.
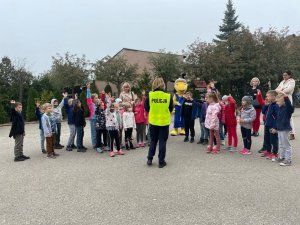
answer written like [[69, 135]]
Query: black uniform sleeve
[[171, 106]]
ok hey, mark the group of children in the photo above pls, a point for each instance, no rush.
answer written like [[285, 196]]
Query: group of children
[[110, 117], [216, 113]]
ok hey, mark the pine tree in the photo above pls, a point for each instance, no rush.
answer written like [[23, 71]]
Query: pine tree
[[230, 24]]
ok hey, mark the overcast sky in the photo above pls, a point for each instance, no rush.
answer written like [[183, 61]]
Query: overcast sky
[[38, 29]]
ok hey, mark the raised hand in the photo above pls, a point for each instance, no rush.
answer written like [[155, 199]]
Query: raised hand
[[76, 96], [12, 101], [37, 103], [88, 86], [65, 94]]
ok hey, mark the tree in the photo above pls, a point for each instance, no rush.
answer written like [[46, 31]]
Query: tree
[[69, 70], [31, 100], [166, 65], [145, 82], [108, 88], [230, 24], [3, 115], [115, 70]]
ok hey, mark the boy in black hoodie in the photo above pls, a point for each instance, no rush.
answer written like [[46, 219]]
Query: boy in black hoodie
[[189, 113], [17, 130]]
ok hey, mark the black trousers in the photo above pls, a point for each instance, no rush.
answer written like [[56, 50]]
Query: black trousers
[[189, 126], [128, 134], [270, 141], [114, 136], [158, 134], [57, 134], [99, 135], [246, 134]]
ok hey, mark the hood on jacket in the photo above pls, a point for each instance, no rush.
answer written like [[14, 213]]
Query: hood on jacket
[[53, 101]]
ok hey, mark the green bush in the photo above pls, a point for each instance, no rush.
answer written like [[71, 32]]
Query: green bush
[[30, 109]]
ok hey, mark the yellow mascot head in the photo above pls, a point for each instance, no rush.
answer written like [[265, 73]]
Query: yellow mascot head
[[180, 86]]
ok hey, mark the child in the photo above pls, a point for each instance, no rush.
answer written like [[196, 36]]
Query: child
[[113, 128], [247, 116], [39, 113], [58, 117], [100, 127], [119, 109], [212, 122], [49, 127], [284, 114], [79, 121], [129, 125], [230, 122], [264, 112], [270, 135], [92, 100], [68, 104], [139, 113], [204, 131], [221, 117], [189, 113], [17, 130]]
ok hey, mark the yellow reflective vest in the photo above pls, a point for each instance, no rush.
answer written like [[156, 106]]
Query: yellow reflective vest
[[159, 113]]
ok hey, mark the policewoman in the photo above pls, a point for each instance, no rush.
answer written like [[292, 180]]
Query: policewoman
[[159, 105]]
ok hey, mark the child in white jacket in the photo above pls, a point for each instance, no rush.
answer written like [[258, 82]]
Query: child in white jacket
[[129, 125]]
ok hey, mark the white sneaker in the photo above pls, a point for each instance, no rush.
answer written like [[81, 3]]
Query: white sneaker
[[232, 149], [99, 150], [223, 142], [115, 150]]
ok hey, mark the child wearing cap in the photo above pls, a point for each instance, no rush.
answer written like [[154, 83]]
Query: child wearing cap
[[246, 117]]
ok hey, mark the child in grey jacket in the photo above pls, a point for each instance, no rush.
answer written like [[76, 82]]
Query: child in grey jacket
[[58, 117], [247, 116]]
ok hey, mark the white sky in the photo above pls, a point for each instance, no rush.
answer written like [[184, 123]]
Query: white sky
[[38, 29]]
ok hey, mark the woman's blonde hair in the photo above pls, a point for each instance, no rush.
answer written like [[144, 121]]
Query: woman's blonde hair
[[158, 83], [253, 79], [126, 84]]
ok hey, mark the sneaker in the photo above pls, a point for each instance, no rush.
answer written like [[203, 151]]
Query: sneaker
[[162, 165], [255, 134], [186, 139], [274, 157], [261, 150], [232, 149], [243, 150], [265, 154], [209, 149], [205, 142], [216, 150], [120, 152], [228, 148], [73, 146], [286, 163], [200, 141], [270, 156], [192, 140], [85, 148], [112, 154], [81, 150], [99, 150], [55, 154], [279, 160], [115, 150], [149, 162], [19, 159], [223, 143], [247, 152], [44, 151], [142, 145], [69, 148], [58, 147], [25, 157], [51, 156]]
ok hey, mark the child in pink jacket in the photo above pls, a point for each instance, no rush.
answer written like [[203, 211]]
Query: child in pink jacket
[[139, 113], [212, 122]]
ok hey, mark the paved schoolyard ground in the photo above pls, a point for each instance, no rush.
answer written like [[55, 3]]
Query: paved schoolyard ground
[[195, 188]]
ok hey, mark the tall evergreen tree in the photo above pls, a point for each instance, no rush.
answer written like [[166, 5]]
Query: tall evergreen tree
[[230, 23]]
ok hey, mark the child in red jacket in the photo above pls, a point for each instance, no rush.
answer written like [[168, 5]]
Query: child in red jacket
[[139, 113], [230, 122]]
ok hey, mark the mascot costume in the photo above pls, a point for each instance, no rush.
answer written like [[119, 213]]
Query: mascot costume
[[180, 88]]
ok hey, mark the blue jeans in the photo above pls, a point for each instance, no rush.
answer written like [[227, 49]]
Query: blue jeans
[[79, 140], [93, 132], [221, 130], [204, 132], [42, 143]]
